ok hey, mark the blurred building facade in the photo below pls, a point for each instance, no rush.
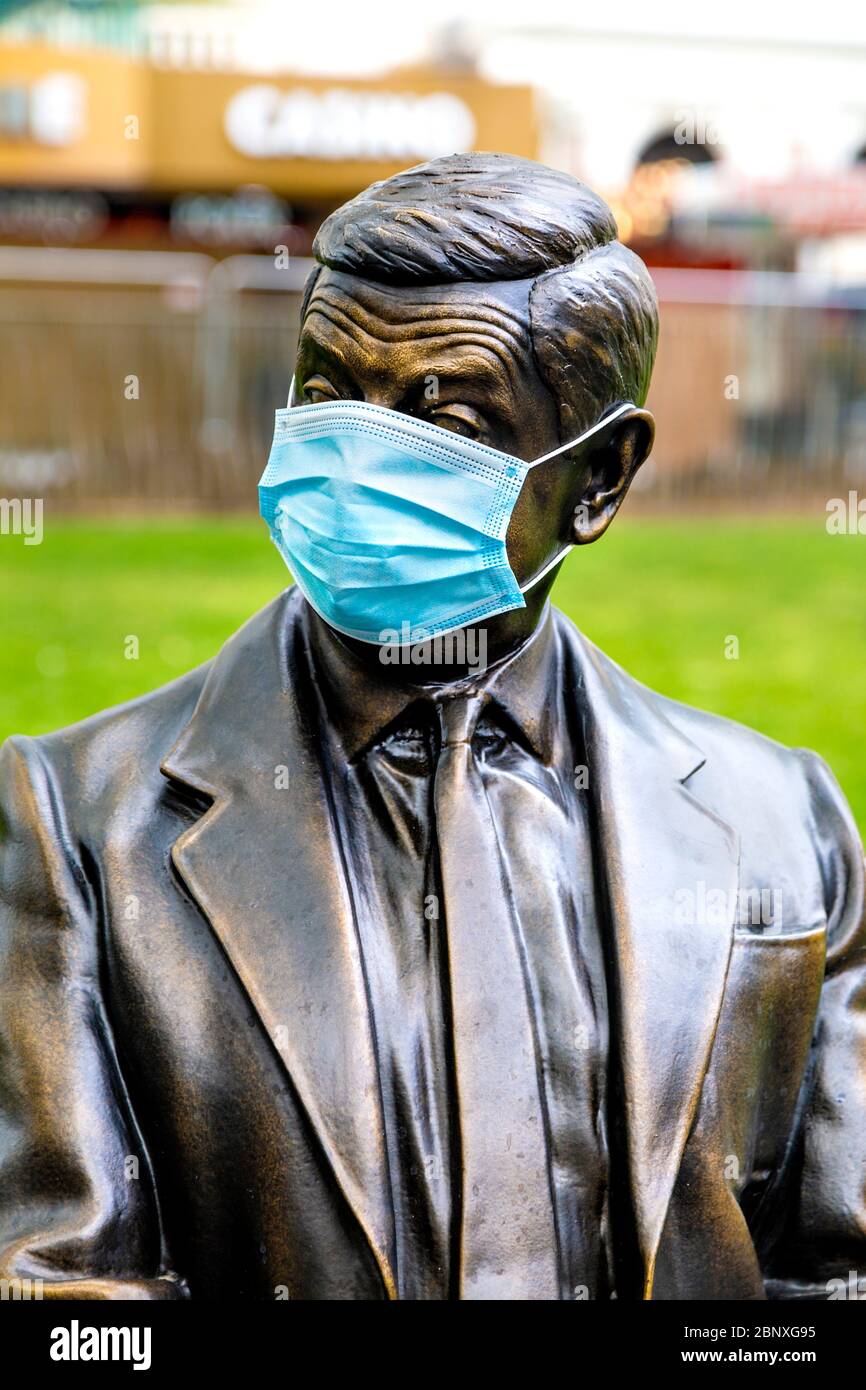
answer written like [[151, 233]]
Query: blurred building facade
[[102, 147]]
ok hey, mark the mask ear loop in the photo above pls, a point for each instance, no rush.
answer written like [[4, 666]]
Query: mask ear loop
[[291, 401], [563, 448]]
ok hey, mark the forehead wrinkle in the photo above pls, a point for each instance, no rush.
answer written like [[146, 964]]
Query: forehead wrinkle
[[435, 339], [371, 294], [446, 335], [413, 316], [450, 332], [339, 320]]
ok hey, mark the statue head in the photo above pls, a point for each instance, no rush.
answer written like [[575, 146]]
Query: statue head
[[490, 296]]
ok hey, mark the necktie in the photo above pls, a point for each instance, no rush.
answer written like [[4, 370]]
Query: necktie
[[508, 1246]]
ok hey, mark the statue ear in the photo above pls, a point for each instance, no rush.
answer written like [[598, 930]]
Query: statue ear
[[611, 467]]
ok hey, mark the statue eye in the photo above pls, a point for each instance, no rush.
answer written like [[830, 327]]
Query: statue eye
[[460, 419], [317, 389]]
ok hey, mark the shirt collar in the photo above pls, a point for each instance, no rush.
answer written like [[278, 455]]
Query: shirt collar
[[362, 704]]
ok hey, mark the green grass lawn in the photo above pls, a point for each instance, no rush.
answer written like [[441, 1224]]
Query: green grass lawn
[[661, 598]]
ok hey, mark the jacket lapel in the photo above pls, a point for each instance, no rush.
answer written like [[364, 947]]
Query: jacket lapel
[[264, 867], [665, 856]]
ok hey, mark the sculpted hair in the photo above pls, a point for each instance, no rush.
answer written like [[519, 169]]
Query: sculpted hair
[[483, 217]]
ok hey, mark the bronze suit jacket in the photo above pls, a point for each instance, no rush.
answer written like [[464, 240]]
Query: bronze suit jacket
[[188, 1097]]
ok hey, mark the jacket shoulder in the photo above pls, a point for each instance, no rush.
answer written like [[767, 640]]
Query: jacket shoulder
[[726, 743], [106, 748], [795, 829], [747, 768], [135, 737], [748, 778]]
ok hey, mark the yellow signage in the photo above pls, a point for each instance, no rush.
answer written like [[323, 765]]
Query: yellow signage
[[68, 117], [100, 119]]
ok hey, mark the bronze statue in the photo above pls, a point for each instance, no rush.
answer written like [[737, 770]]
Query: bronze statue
[[326, 976]]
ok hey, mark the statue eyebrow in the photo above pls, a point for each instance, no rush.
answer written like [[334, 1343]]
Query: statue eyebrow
[[309, 343], [476, 371]]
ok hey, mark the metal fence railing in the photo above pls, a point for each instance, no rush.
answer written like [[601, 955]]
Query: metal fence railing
[[147, 379], [759, 387], [150, 379]]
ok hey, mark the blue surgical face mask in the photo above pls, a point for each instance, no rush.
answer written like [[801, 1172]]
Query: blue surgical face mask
[[392, 525]]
